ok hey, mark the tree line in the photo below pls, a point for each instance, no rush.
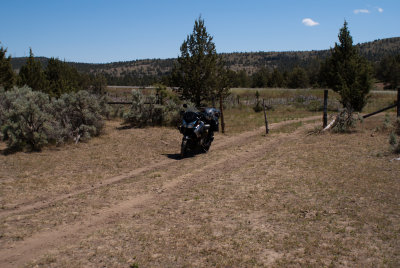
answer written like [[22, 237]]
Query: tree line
[[50, 105], [57, 78], [200, 74], [299, 73], [256, 69]]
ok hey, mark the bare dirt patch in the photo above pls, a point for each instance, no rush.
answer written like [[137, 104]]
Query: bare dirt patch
[[285, 199]]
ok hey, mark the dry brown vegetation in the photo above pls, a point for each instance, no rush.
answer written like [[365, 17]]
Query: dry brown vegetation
[[125, 199]]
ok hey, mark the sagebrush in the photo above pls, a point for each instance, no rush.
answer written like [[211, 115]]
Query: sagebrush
[[145, 111], [31, 119]]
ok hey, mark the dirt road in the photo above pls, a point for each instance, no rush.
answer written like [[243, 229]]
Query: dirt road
[[216, 209]]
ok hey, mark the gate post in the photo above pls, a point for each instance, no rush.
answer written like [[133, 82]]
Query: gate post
[[265, 119], [325, 117], [398, 102], [221, 108]]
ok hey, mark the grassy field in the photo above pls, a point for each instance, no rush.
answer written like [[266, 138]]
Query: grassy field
[[242, 117], [287, 199]]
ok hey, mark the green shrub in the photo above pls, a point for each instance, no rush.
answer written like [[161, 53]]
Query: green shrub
[[394, 139], [347, 120], [258, 108], [172, 111], [397, 126], [138, 115], [30, 119], [144, 112], [386, 123], [79, 115], [2, 110], [26, 121]]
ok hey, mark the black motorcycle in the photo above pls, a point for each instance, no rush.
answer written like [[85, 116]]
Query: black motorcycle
[[198, 130]]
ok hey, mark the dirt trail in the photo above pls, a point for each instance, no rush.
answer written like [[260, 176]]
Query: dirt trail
[[219, 144], [227, 154]]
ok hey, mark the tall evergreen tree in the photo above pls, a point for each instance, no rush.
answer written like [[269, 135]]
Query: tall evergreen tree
[[348, 73], [63, 78], [388, 71], [276, 79], [57, 75], [243, 78], [260, 78], [99, 84], [7, 76], [298, 78], [195, 73], [32, 75]]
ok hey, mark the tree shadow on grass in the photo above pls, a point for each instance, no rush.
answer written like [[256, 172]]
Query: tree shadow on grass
[[124, 127], [10, 151]]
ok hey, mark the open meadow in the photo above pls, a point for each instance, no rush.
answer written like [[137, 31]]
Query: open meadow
[[294, 197]]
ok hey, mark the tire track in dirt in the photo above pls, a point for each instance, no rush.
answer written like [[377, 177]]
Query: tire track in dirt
[[236, 140], [23, 251]]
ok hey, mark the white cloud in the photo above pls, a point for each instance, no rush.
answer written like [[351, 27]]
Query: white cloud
[[366, 11], [309, 22], [380, 9]]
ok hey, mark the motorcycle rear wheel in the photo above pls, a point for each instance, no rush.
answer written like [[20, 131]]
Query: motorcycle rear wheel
[[206, 147]]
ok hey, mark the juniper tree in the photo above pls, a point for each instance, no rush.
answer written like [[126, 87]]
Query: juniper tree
[[348, 73], [195, 73], [7, 76], [32, 75], [276, 79], [62, 78], [298, 78], [389, 71]]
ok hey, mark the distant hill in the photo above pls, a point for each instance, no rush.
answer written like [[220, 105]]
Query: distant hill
[[374, 51]]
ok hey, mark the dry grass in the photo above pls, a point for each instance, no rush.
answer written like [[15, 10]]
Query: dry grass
[[288, 199], [268, 93], [26, 177], [377, 99], [244, 118]]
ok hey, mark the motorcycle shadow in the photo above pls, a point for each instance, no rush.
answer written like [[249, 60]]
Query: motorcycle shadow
[[178, 156]]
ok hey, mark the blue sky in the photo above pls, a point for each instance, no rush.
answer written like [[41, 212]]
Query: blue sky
[[121, 30]]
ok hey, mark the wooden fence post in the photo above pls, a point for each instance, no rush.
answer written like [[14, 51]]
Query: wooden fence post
[[265, 118], [325, 116], [221, 107], [398, 102]]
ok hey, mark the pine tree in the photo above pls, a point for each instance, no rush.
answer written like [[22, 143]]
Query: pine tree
[[32, 75], [260, 78], [7, 76], [388, 71], [276, 79], [196, 70], [347, 73], [62, 77], [298, 78]]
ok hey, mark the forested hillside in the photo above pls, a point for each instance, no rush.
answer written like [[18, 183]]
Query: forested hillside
[[149, 71]]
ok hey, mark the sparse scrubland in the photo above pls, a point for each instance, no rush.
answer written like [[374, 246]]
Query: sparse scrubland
[[292, 197], [298, 196]]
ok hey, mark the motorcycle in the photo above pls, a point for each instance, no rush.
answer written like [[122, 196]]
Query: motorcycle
[[198, 130]]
